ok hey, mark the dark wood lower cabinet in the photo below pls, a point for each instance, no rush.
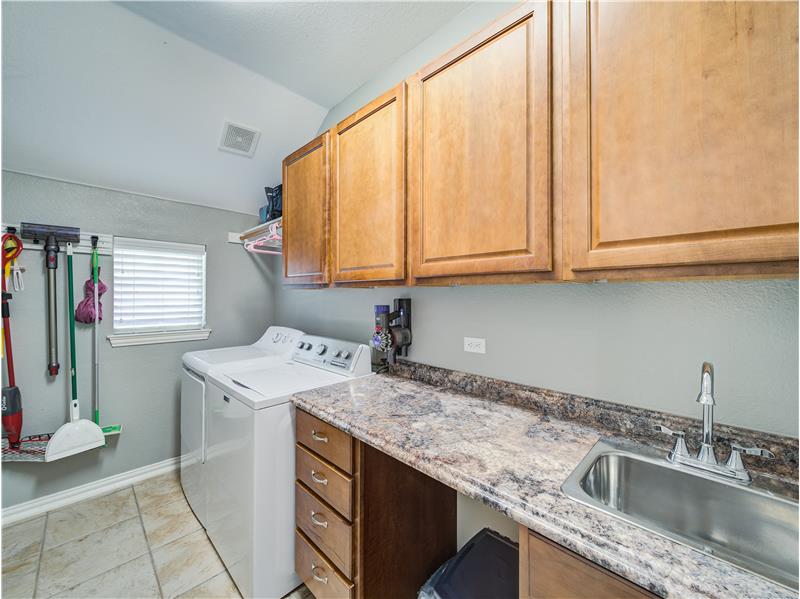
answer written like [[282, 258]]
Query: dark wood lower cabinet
[[407, 527], [549, 571], [380, 541]]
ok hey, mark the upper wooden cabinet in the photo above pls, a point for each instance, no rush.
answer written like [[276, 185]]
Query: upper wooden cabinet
[[566, 141], [306, 194], [681, 150], [479, 155], [368, 197]]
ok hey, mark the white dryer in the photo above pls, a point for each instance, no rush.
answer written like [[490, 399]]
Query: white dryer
[[250, 459], [275, 343]]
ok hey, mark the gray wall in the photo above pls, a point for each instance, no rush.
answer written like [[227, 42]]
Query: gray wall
[[640, 344], [635, 343], [140, 385]]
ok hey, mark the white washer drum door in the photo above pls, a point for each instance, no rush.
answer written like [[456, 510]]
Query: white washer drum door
[[229, 476], [193, 442]]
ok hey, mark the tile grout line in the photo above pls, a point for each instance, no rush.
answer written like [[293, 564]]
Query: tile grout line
[[96, 530], [147, 542], [214, 549], [160, 505], [199, 529], [41, 553], [150, 550], [133, 559], [80, 538], [75, 539]]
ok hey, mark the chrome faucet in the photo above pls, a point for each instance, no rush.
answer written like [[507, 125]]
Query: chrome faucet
[[706, 460], [706, 398]]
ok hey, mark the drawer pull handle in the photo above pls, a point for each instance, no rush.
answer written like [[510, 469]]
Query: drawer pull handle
[[315, 520], [317, 478], [322, 579], [318, 437]]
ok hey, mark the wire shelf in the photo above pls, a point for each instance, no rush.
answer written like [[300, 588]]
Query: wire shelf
[[266, 238]]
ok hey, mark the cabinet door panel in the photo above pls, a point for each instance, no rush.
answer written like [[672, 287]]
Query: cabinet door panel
[[548, 571], [479, 165], [683, 133], [305, 213], [369, 193]]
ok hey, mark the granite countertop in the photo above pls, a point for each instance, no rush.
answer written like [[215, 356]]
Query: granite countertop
[[515, 459]]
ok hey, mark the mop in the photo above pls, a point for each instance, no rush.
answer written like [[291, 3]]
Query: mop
[[91, 311], [78, 434]]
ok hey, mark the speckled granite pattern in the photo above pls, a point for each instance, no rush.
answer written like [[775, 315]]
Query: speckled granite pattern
[[618, 419], [515, 459]]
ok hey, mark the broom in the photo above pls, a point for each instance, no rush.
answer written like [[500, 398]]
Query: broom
[[89, 311]]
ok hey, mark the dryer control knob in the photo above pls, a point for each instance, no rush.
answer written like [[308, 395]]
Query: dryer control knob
[[321, 349]]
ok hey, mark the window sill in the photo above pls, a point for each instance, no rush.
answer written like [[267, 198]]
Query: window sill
[[128, 339]]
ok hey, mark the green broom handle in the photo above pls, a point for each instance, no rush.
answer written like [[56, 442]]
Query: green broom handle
[[95, 265], [96, 281], [71, 324]]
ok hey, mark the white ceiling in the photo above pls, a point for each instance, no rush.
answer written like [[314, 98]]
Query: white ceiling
[[95, 93], [321, 50]]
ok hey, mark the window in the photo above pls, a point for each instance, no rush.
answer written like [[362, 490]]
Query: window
[[159, 291]]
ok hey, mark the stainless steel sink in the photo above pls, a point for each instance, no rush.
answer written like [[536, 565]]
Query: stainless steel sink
[[749, 528]]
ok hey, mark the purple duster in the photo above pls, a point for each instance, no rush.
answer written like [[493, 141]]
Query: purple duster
[[85, 310]]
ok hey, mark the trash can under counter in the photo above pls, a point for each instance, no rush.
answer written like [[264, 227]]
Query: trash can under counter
[[486, 566]]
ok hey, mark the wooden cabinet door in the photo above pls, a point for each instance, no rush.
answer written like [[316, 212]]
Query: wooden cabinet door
[[306, 194], [479, 161], [548, 571], [368, 198], [682, 136]]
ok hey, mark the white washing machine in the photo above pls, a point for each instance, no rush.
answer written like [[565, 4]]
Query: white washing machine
[[275, 343], [250, 459]]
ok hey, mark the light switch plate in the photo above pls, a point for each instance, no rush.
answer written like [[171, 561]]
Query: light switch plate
[[475, 345]]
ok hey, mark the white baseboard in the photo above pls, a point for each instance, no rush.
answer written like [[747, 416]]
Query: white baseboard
[[54, 501]]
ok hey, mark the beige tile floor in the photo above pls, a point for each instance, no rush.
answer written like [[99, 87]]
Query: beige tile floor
[[142, 542]]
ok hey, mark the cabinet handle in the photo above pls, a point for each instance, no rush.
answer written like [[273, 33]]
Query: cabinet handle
[[318, 479], [322, 579], [316, 521], [317, 437]]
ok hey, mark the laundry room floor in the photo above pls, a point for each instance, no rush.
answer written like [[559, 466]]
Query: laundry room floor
[[141, 541]]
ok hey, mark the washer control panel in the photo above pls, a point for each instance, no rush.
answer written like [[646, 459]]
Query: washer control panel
[[333, 354]]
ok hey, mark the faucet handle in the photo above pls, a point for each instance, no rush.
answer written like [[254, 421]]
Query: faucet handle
[[679, 449], [758, 451], [735, 459], [660, 428]]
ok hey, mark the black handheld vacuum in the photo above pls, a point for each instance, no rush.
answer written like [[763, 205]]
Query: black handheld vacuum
[[52, 235], [392, 333]]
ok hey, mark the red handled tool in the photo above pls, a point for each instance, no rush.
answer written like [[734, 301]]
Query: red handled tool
[[12, 398]]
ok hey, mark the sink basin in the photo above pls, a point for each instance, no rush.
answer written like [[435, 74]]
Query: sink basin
[[749, 528]]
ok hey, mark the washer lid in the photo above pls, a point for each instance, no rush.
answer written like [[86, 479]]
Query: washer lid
[[276, 341], [203, 361], [264, 387]]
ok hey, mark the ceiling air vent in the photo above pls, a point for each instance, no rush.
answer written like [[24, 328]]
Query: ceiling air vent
[[239, 139]]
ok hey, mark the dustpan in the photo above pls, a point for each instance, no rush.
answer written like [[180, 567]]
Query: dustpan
[[77, 435], [74, 437]]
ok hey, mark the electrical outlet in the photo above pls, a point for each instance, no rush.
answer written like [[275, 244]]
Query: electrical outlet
[[475, 345]]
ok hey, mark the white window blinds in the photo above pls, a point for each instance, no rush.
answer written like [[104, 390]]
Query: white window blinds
[[158, 286]]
